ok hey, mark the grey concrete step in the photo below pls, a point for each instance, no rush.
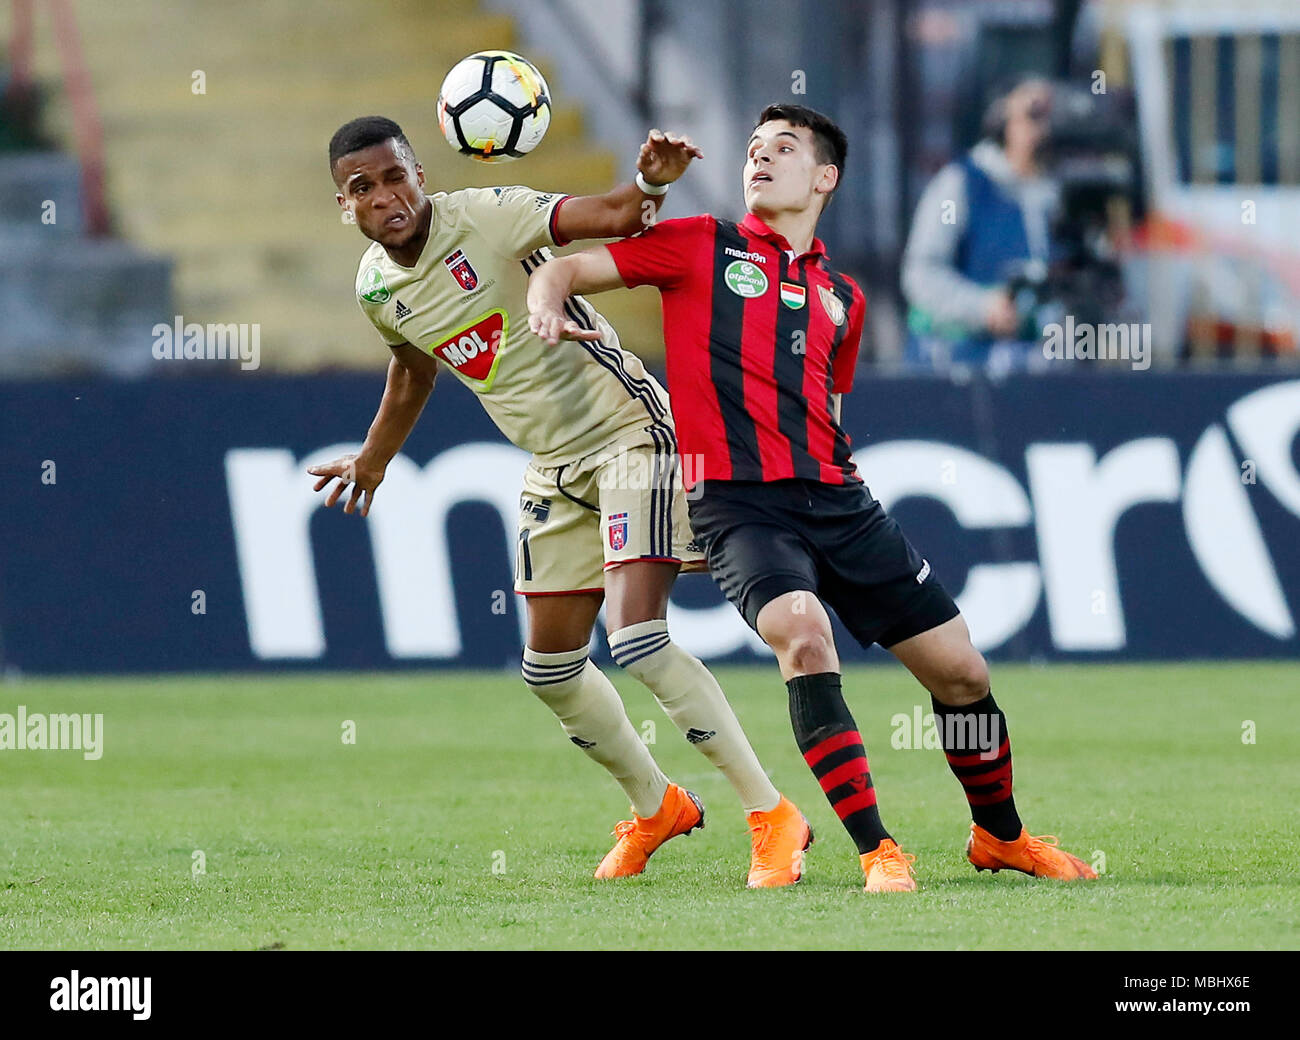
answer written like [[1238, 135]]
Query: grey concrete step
[[88, 303], [40, 196]]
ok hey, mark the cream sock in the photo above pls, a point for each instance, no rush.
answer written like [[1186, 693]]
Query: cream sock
[[592, 714], [694, 701]]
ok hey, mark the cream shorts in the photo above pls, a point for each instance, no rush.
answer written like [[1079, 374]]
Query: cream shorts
[[624, 503]]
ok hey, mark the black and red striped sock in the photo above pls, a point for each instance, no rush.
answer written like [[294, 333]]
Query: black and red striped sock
[[978, 750], [831, 745]]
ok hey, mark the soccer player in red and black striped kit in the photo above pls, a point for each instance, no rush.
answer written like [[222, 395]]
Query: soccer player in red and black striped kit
[[761, 336]]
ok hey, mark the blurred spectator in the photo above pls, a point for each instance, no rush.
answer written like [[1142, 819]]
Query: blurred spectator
[[982, 223]]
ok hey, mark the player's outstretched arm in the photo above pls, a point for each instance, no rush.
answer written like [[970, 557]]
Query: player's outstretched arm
[[627, 209], [591, 271], [411, 374]]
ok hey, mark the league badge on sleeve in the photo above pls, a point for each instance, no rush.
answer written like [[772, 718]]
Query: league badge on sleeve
[[459, 266], [617, 531], [833, 304], [373, 288]]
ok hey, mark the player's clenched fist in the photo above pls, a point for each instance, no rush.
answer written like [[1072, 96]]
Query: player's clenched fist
[[350, 469]]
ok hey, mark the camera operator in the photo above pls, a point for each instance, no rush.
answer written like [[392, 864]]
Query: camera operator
[[981, 222]]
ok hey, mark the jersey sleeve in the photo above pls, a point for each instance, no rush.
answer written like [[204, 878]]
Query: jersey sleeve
[[516, 220], [846, 358], [389, 336], [661, 255], [374, 309]]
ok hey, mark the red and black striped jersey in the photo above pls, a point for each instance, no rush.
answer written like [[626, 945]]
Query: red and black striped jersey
[[757, 340]]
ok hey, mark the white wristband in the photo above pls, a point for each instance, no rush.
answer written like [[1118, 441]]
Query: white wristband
[[648, 188]]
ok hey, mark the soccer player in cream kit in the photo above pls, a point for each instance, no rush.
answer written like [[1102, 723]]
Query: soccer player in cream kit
[[761, 337], [444, 283]]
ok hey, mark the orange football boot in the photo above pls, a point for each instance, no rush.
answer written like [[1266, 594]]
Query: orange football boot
[[679, 813], [779, 838], [1037, 856], [888, 868]]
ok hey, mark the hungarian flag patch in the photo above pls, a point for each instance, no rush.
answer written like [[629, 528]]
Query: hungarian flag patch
[[793, 296]]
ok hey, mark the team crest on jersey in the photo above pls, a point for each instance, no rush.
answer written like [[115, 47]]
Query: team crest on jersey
[[617, 531], [461, 269], [373, 287], [793, 295], [833, 305], [475, 350]]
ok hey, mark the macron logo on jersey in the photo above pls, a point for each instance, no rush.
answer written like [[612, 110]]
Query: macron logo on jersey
[[475, 350]]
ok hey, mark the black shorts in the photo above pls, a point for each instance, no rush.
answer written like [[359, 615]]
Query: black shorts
[[766, 539]]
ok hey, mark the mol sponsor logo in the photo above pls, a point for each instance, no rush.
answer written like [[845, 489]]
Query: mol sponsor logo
[[1072, 501], [474, 350]]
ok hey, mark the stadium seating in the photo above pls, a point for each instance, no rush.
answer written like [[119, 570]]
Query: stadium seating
[[70, 302]]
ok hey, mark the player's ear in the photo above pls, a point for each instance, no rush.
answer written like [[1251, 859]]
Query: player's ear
[[829, 179], [419, 175], [338, 197]]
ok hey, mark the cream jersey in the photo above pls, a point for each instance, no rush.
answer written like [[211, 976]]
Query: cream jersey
[[465, 304]]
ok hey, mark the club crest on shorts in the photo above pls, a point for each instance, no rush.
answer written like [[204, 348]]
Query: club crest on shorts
[[833, 304], [459, 266], [617, 531]]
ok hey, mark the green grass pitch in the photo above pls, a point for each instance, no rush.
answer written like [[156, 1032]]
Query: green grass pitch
[[462, 818]]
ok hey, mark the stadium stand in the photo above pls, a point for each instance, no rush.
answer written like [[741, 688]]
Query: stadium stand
[[266, 243], [73, 298]]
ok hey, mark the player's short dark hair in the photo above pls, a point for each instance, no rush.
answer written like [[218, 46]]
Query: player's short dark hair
[[830, 142], [363, 132]]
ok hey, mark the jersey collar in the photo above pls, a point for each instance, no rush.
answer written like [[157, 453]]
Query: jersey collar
[[756, 227]]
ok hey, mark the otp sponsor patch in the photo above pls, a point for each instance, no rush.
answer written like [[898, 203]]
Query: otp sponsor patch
[[475, 350], [617, 531]]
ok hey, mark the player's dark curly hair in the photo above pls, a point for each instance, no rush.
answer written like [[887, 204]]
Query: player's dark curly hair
[[361, 133], [831, 143]]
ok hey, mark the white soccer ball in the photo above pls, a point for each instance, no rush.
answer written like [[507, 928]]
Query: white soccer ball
[[494, 106]]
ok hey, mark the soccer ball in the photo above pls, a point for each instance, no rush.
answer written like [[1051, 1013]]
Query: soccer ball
[[494, 106]]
